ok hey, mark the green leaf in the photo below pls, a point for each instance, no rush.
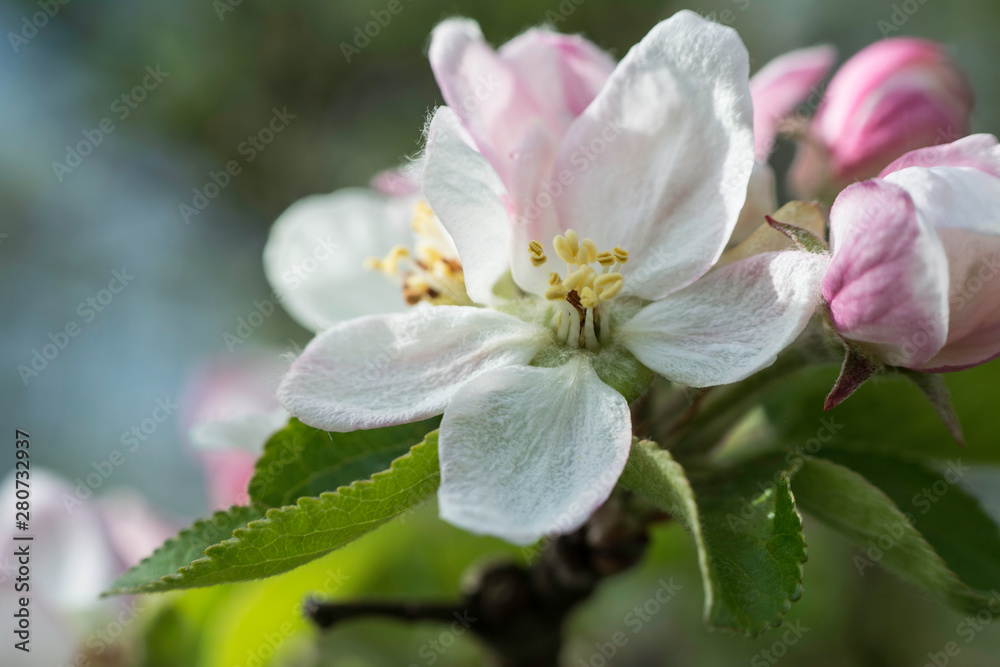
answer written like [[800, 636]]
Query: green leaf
[[291, 536], [302, 461], [189, 545], [848, 502], [888, 415], [948, 517], [745, 527]]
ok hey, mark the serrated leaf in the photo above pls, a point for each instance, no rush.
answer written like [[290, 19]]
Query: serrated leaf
[[189, 545], [947, 516], [848, 502], [291, 536], [302, 461], [745, 527]]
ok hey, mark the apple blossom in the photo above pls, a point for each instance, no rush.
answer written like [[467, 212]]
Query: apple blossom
[[915, 257], [536, 426], [894, 96]]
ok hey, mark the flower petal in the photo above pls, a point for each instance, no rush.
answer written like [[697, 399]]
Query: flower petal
[[247, 432], [888, 281], [562, 73], [974, 318], [530, 451], [731, 323], [979, 151], [483, 90], [661, 159], [384, 370], [315, 255], [467, 196], [780, 86], [953, 197]]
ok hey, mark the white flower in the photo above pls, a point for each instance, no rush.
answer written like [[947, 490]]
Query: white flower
[[536, 429]]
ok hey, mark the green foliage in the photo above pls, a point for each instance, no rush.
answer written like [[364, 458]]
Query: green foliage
[[950, 519], [887, 415], [745, 527], [303, 461], [288, 536], [849, 503]]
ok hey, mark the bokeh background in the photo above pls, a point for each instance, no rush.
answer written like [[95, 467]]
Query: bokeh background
[[228, 65]]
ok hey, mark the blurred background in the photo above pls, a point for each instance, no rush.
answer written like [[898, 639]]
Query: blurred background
[[213, 73]]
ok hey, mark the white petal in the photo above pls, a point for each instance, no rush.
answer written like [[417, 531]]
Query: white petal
[[660, 161], [383, 370], [248, 432], [530, 451], [953, 197], [731, 323], [315, 255], [468, 198]]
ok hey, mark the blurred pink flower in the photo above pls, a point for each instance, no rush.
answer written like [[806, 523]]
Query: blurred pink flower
[[916, 257], [892, 97], [230, 412], [80, 547]]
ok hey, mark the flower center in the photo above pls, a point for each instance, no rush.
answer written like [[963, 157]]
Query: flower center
[[432, 272], [582, 318]]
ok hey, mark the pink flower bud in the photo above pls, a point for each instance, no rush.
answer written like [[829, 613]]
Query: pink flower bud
[[895, 96], [915, 274]]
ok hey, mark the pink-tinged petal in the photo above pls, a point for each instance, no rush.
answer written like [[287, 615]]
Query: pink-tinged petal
[[468, 198], [974, 324], [134, 529], [229, 448], [887, 285], [492, 102], [895, 96], [395, 183], [660, 161], [978, 151], [528, 452], [227, 475], [782, 85], [562, 73], [385, 370], [731, 323], [314, 257]]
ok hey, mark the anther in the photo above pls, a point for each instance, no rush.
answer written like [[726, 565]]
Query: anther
[[556, 293], [573, 280], [591, 248], [537, 253], [621, 255], [554, 278], [608, 285]]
